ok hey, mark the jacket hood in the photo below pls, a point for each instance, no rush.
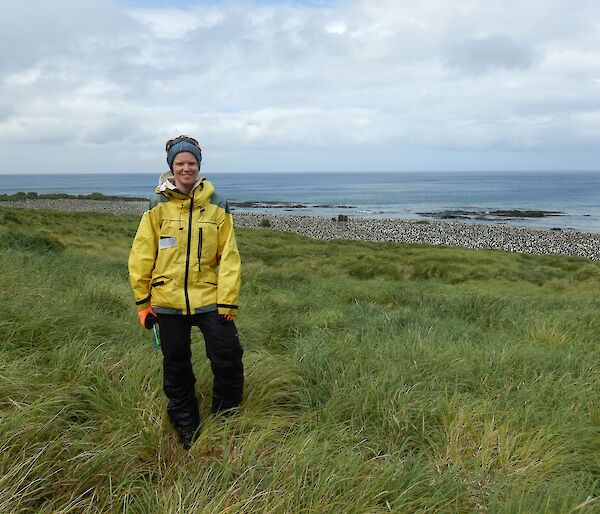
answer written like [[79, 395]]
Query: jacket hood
[[167, 181], [163, 178]]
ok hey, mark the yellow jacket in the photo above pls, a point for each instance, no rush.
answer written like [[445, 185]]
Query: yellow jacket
[[184, 257]]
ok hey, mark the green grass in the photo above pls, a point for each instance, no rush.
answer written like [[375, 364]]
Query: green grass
[[380, 378]]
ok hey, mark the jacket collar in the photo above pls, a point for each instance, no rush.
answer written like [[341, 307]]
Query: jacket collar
[[167, 181], [201, 191]]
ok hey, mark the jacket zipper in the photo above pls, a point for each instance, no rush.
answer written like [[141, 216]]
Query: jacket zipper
[[199, 248], [187, 257]]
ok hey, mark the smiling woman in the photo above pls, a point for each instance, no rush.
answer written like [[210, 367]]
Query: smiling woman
[[184, 157], [184, 269], [185, 169]]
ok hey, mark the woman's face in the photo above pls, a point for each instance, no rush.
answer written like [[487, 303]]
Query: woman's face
[[185, 169]]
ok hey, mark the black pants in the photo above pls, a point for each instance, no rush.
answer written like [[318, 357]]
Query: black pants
[[224, 352]]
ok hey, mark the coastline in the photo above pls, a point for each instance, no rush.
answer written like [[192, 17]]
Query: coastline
[[435, 232]]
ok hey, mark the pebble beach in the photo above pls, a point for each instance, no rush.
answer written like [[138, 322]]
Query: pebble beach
[[467, 235]]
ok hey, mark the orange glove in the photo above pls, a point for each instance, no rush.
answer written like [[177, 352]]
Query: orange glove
[[226, 318], [148, 317]]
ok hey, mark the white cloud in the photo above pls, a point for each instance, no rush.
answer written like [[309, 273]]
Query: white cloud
[[175, 23], [336, 28], [23, 78], [367, 78]]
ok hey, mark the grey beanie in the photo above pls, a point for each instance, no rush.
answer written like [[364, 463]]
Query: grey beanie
[[183, 146]]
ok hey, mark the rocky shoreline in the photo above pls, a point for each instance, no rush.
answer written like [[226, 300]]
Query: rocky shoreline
[[476, 236], [116, 207], [497, 215]]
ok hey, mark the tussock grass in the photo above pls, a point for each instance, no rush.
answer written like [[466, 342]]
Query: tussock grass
[[380, 378]]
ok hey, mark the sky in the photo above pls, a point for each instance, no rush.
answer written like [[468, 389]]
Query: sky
[[370, 85]]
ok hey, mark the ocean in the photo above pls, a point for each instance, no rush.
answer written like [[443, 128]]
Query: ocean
[[575, 195]]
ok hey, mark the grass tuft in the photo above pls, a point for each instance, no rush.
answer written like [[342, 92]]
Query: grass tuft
[[26, 242]]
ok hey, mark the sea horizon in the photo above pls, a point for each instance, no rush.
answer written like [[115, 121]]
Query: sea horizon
[[403, 194], [307, 172]]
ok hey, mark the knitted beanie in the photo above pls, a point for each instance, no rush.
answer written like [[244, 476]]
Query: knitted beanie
[[183, 146]]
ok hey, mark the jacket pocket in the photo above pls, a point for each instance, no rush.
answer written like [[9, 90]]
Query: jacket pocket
[[207, 246], [199, 250], [164, 292]]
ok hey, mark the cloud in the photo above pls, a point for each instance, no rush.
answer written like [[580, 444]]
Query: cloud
[[364, 78], [497, 51], [176, 23]]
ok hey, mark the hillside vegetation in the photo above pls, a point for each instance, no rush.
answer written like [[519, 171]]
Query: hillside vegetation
[[380, 378]]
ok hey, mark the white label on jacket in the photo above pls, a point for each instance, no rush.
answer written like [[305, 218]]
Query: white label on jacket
[[167, 242]]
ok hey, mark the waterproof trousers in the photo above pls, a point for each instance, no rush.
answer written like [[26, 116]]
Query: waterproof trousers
[[224, 351]]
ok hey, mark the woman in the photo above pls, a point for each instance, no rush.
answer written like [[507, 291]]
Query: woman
[[184, 269]]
